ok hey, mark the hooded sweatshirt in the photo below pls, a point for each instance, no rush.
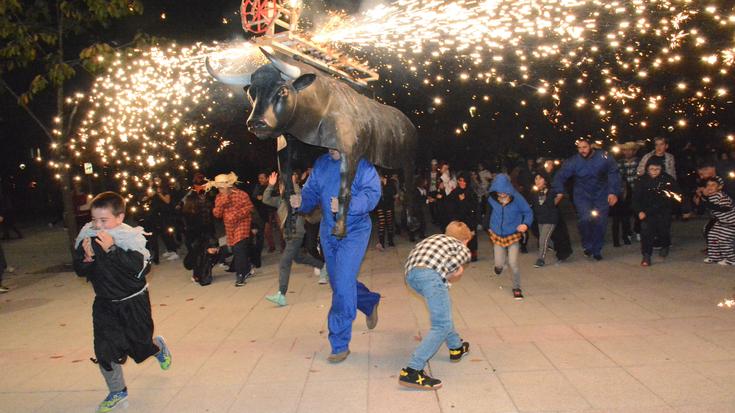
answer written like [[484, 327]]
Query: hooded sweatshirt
[[505, 219]]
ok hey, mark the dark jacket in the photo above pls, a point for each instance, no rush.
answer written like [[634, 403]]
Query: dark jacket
[[655, 195], [463, 208], [387, 195], [505, 219], [544, 209], [113, 274]]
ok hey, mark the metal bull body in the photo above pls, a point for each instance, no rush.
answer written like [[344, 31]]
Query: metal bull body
[[298, 102]]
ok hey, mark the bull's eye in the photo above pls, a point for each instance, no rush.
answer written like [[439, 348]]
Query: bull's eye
[[283, 92]]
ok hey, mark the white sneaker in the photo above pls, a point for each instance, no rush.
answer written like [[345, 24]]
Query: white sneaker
[[10, 269], [709, 260], [726, 262], [172, 257], [317, 271], [323, 276], [3, 289], [166, 254]]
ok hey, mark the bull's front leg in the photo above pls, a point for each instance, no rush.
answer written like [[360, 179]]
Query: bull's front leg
[[347, 170]]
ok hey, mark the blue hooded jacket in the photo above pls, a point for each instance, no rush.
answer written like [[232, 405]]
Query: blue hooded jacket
[[505, 219]]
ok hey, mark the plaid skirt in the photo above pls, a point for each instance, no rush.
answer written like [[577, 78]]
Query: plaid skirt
[[506, 241]]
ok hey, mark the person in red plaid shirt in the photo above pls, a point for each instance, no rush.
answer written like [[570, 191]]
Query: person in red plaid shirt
[[233, 206]]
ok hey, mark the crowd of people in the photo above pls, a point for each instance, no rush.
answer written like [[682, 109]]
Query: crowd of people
[[642, 196]]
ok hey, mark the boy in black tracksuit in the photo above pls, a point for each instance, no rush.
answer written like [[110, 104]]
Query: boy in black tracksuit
[[112, 256], [653, 199]]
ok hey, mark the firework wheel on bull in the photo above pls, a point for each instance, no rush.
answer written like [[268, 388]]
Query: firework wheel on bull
[[258, 16]]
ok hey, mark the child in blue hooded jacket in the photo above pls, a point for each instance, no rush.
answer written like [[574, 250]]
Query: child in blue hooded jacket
[[510, 218]]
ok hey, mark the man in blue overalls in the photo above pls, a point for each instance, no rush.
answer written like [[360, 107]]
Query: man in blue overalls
[[597, 186], [343, 255]]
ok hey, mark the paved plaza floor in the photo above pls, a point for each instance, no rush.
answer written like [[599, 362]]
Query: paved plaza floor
[[589, 337]]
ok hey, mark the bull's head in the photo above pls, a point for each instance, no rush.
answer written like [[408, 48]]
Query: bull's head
[[273, 93]]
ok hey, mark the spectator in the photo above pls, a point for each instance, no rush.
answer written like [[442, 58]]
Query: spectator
[[420, 199], [661, 145], [7, 211], [546, 215], [622, 211], [234, 207], [462, 207], [159, 220], [267, 213], [385, 212]]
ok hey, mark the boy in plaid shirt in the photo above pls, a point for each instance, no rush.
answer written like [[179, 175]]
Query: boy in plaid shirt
[[431, 265]]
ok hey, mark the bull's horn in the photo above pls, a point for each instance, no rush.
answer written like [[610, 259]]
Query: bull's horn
[[238, 79], [290, 71]]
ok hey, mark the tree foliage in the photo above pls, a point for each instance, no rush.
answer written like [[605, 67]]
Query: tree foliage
[[33, 32]]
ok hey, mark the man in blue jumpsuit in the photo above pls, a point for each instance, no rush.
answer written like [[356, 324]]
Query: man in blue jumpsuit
[[343, 256], [597, 186]]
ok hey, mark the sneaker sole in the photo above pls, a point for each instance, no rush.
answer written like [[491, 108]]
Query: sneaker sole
[[418, 386], [338, 359], [122, 404], [460, 358]]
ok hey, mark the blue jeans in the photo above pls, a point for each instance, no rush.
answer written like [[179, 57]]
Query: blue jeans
[[430, 285]]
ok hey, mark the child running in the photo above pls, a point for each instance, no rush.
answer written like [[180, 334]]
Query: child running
[[721, 236], [112, 256], [510, 218], [431, 266]]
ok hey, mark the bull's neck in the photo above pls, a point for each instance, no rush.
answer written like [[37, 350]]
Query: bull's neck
[[311, 108]]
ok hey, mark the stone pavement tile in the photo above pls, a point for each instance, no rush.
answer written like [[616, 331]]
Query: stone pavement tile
[[77, 401], [334, 397], [355, 366], [542, 390], [302, 319], [267, 398], [386, 395], [689, 347], [504, 357], [570, 354], [184, 366], [617, 307], [612, 388], [14, 402], [203, 398], [568, 308], [529, 311], [226, 365], [723, 339], [615, 329], [481, 393], [691, 324], [721, 372], [475, 316], [537, 333], [678, 384], [630, 350], [728, 407], [143, 399], [474, 363], [633, 409], [279, 367]]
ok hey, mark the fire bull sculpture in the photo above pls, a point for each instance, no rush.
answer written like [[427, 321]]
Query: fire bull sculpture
[[298, 102]]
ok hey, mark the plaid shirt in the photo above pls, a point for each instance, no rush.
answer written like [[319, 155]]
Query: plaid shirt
[[234, 209], [628, 170], [441, 253]]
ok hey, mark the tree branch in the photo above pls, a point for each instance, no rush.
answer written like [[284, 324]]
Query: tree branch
[[28, 110]]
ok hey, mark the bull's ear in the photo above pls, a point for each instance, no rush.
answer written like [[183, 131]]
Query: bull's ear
[[245, 88], [303, 81]]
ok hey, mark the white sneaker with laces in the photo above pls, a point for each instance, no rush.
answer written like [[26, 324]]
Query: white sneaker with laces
[[172, 257]]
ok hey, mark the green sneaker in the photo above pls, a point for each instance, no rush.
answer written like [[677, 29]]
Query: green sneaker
[[277, 299], [163, 356], [114, 400]]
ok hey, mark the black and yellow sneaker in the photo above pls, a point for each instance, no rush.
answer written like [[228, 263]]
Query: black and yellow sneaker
[[418, 379], [455, 354]]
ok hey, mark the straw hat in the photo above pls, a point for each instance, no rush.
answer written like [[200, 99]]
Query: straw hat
[[223, 181], [632, 145]]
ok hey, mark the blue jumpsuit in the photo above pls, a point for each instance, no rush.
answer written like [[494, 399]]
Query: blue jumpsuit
[[595, 177], [344, 256]]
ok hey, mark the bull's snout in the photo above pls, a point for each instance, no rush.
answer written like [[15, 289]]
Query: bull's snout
[[257, 124]]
